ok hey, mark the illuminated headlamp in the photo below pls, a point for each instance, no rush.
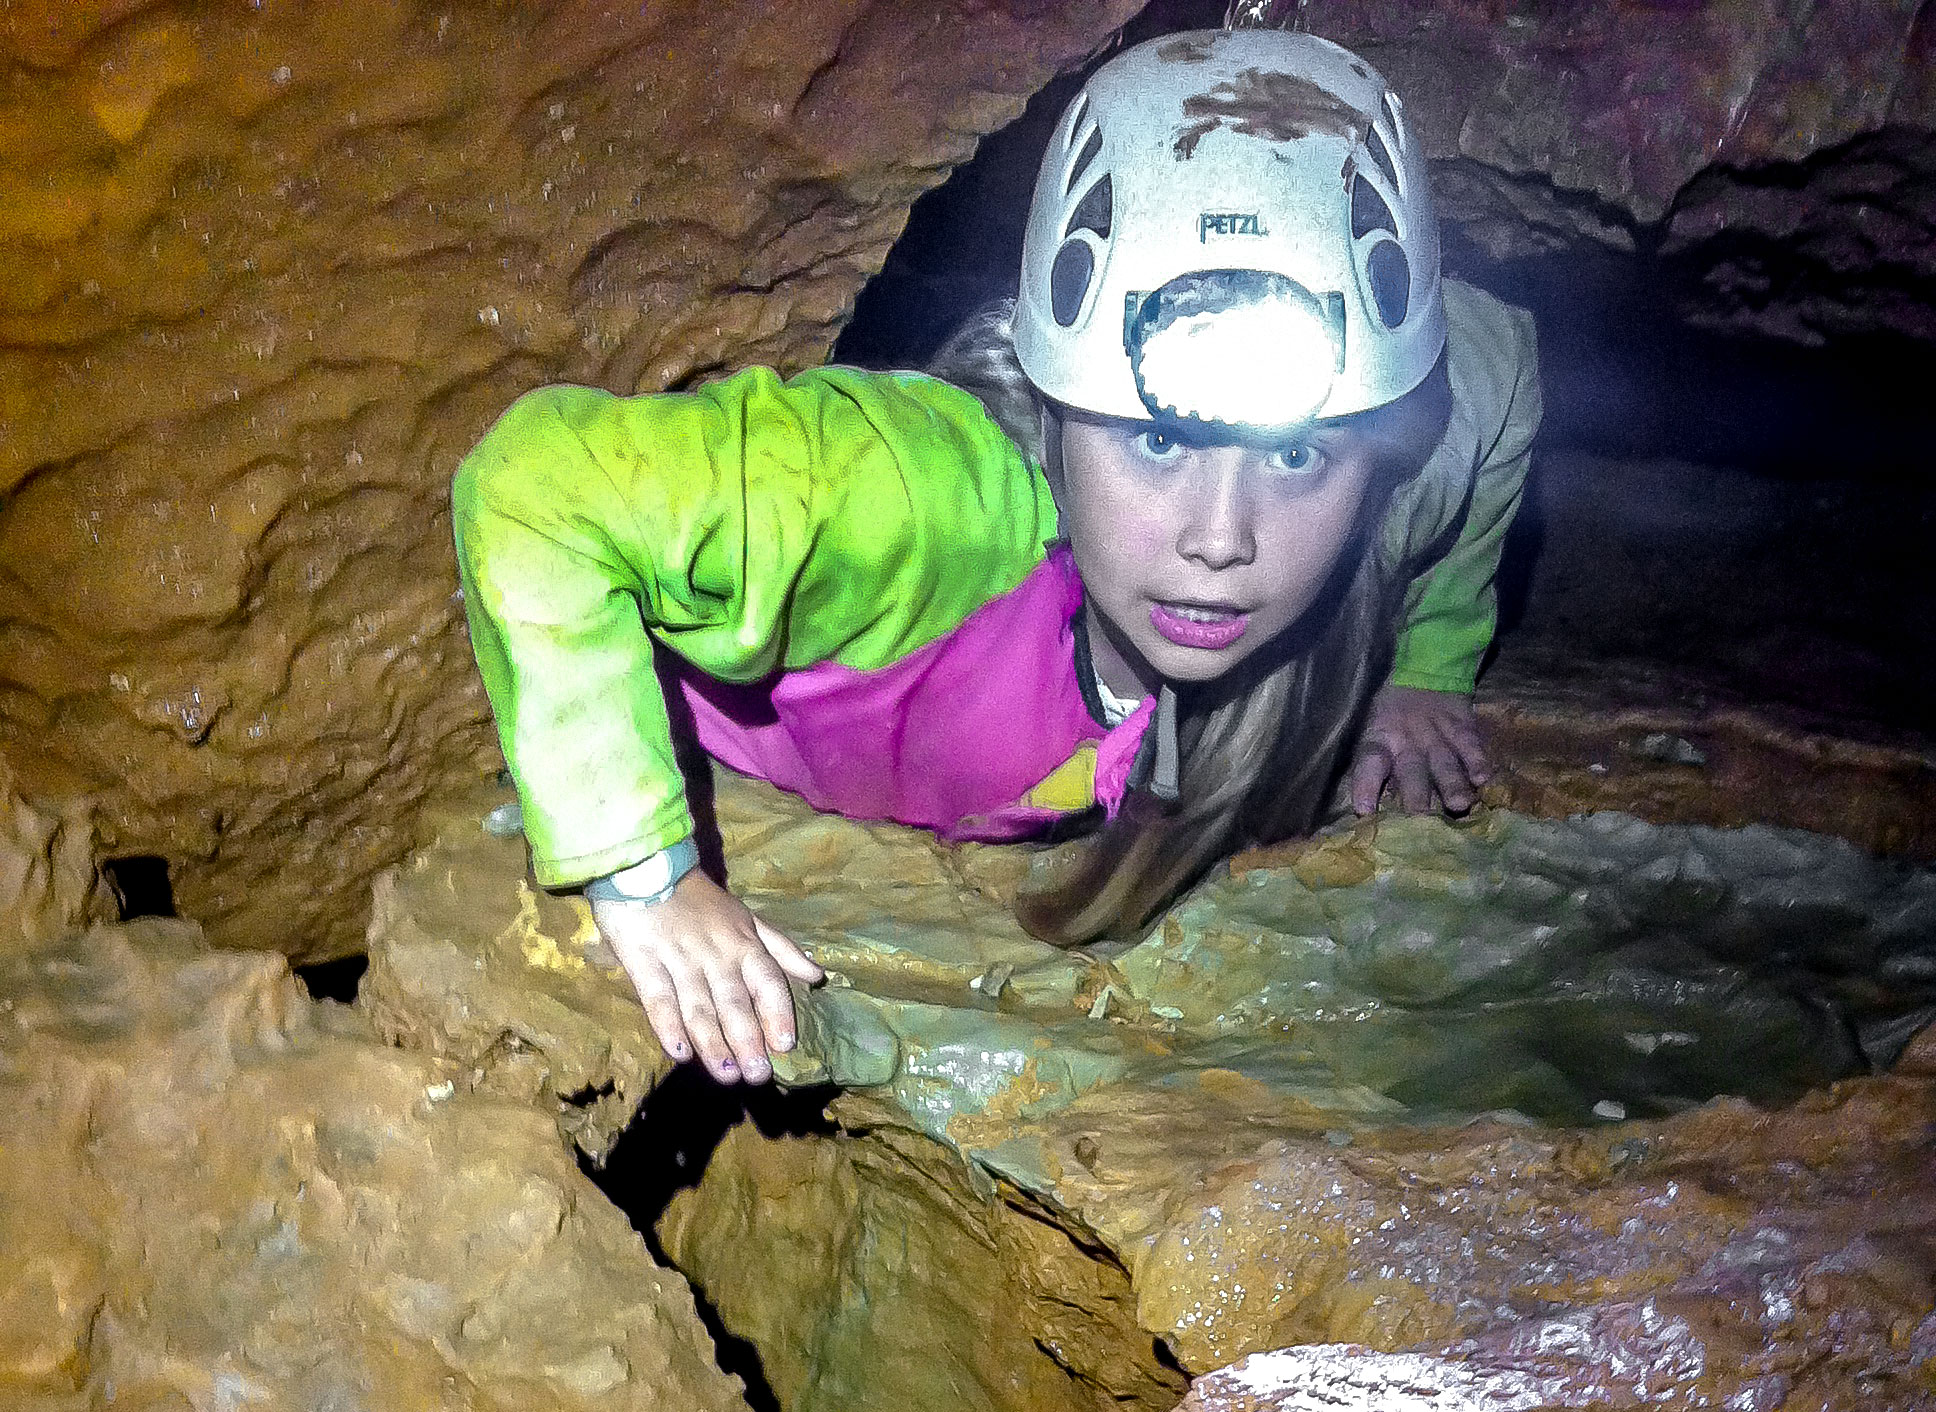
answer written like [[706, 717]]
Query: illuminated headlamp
[[1248, 349]]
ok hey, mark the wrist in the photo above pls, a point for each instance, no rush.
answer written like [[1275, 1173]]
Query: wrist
[[651, 880]]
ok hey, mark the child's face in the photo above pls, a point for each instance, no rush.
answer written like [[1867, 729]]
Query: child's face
[[1196, 554]]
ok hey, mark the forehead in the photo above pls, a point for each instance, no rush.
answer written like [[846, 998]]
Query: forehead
[[1336, 432]]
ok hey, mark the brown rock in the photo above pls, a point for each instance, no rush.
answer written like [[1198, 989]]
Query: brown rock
[[1625, 103], [509, 984], [1919, 1056], [214, 1193], [881, 1273], [1781, 155], [1048, 1160], [48, 882], [269, 272], [1624, 740]]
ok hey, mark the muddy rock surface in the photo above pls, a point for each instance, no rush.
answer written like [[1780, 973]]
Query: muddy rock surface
[[1422, 1089], [49, 883], [268, 273], [1782, 154], [216, 1193]]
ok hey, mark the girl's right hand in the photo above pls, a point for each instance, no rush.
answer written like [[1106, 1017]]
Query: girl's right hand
[[712, 976]]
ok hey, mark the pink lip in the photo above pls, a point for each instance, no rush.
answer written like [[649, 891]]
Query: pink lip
[[1192, 632]]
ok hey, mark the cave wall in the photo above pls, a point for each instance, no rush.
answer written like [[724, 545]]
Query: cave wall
[[266, 272], [1779, 155]]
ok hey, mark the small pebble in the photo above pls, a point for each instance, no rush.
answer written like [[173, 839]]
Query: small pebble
[[1608, 1109]]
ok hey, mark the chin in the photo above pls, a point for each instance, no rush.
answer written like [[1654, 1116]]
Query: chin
[[1191, 664]]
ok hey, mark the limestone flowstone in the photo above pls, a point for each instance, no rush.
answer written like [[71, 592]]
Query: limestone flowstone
[[1415, 1087], [216, 1193]]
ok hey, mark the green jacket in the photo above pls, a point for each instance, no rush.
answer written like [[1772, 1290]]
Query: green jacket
[[756, 526]]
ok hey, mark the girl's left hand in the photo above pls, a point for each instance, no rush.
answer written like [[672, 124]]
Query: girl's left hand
[[1421, 743]]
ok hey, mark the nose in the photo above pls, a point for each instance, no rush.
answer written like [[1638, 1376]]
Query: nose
[[1218, 527]]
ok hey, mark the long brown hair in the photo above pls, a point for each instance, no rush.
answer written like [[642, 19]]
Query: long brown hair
[[1262, 748]]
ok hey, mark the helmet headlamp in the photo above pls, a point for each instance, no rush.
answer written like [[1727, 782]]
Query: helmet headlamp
[[1251, 350]]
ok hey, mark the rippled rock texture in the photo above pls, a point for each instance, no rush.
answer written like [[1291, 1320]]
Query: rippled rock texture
[[49, 883], [266, 272], [1783, 152], [1313, 1108], [216, 1193]]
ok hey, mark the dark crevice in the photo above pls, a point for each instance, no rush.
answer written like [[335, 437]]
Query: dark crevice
[[666, 1150], [589, 1094], [333, 980], [141, 886]]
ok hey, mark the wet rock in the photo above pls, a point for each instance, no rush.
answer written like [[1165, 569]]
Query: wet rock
[[270, 272], [882, 1273], [216, 1193], [507, 983], [49, 884], [1323, 1376], [1571, 739], [1261, 1127]]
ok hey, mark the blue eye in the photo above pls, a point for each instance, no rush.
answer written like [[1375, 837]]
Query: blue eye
[[1158, 445], [1297, 459]]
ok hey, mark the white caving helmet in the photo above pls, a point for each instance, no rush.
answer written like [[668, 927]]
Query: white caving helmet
[[1277, 169]]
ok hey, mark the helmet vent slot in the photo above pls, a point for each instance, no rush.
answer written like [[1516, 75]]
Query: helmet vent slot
[[1369, 211], [1381, 154], [1080, 112], [1083, 159], [1094, 210], [1390, 274], [1396, 112], [1069, 280]]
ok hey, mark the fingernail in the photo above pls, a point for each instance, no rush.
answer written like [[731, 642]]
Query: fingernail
[[679, 1053], [783, 1043], [728, 1066], [758, 1073]]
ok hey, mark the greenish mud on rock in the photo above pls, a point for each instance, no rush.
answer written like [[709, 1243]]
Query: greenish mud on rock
[[1364, 1089], [1564, 971]]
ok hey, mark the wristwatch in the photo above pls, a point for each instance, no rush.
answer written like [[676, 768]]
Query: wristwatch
[[650, 881]]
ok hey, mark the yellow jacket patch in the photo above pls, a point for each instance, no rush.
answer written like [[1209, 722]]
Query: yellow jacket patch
[[1070, 786]]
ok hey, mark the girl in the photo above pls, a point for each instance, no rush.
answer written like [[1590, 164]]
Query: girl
[[1220, 493]]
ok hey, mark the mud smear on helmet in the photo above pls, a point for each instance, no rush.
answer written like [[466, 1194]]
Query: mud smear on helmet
[[1264, 103], [1187, 49]]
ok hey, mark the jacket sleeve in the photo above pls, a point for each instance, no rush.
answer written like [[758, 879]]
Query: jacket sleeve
[[1453, 607], [751, 526]]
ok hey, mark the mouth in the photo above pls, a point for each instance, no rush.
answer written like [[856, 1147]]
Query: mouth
[[1205, 626]]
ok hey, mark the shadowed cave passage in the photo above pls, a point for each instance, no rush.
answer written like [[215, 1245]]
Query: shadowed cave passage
[[140, 886]]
